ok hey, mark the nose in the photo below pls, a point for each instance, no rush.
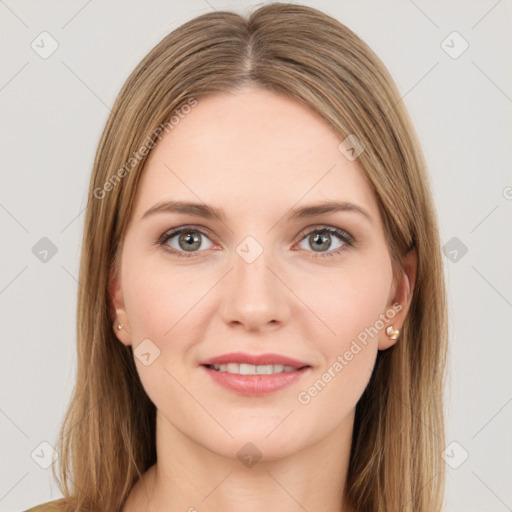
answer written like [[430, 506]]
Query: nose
[[254, 296]]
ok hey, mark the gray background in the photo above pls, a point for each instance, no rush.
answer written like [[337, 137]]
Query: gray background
[[53, 110]]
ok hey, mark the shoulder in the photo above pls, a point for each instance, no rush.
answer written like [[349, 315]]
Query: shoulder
[[49, 506]]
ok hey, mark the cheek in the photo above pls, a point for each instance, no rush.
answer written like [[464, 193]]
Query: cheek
[[351, 307], [160, 298], [349, 300], [166, 305], [161, 303]]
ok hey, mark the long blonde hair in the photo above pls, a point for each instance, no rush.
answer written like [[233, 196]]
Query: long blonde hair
[[107, 440]]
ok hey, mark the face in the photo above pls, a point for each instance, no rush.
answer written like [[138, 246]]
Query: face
[[257, 277]]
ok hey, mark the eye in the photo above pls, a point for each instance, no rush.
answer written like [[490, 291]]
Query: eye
[[187, 241], [184, 240], [321, 239]]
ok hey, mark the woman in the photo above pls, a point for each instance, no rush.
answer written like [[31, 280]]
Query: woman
[[261, 316]]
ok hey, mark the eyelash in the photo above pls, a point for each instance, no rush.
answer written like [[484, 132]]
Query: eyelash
[[345, 237]]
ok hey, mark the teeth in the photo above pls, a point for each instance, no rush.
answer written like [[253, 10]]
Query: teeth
[[251, 369]]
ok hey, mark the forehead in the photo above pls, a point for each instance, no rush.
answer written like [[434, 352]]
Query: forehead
[[253, 149]]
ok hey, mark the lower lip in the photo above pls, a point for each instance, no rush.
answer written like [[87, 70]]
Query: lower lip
[[256, 385]]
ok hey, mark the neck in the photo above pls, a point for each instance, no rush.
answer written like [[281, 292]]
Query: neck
[[190, 477]]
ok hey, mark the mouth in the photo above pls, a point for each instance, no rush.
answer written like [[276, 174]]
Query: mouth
[[251, 369], [254, 375], [244, 362]]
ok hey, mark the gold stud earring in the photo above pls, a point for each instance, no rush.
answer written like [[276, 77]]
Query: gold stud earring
[[392, 332]]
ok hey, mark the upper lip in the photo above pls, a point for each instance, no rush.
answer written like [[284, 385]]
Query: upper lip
[[255, 359]]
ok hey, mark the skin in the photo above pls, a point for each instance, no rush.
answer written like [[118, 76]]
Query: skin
[[256, 155]]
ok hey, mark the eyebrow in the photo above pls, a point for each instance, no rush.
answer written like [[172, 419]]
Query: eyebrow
[[209, 212]]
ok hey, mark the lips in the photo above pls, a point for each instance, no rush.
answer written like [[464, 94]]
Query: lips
[[254, 359], [236, 372]]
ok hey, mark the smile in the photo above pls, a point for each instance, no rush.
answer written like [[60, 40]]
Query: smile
[[251, 369]]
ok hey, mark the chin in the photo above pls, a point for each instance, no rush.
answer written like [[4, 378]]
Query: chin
[[261, 441]]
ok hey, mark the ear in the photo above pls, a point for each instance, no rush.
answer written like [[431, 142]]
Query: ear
[[118, 310], [400, 299]]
